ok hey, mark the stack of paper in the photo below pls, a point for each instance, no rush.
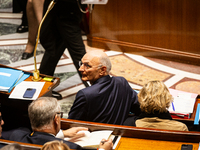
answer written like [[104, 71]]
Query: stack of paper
[[183, 103], [9, 78]]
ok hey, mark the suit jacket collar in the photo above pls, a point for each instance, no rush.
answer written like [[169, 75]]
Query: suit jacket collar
[[103, 79], [41, 133]]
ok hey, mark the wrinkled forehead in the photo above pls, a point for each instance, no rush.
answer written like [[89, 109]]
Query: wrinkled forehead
[[90, 59]]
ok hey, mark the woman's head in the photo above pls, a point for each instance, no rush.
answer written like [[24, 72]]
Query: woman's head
[[55, 145], [154, 96]]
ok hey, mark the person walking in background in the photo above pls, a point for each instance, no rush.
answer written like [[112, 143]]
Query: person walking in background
[[61, 30], [20, 6], [34, 16]]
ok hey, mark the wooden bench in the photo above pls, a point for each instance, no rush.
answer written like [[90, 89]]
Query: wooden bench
[[148, 138], [26, 146]]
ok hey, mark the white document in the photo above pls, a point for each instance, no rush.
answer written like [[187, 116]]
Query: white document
[[94, 1], [183, 101], [20, 89], [92, 138], [183, 104], [199, 146]]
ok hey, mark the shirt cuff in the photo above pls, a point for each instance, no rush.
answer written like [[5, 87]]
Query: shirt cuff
[[60, 134]]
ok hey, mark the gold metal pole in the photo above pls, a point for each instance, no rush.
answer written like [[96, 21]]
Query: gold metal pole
[[36, 73]]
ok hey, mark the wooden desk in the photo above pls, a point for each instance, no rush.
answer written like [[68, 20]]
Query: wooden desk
[[132, 137], [195, 109], [144, 144], [124, 144], [26, 146], [46, 91], [141, 138], [48, 86], [16, 110], [190, 122]]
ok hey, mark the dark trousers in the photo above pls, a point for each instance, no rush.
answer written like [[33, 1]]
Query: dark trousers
[[61, 30], [18, 6]]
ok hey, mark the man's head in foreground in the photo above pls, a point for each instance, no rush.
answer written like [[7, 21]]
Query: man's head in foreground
[[45, 115]]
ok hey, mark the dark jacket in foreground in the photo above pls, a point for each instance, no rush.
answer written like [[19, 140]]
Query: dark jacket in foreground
[[108, 100], [24, 135]]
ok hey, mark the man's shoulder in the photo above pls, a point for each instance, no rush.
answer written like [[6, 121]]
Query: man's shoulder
[[118, 78], [22, 135], [105, 81], [21, 131], [15, 134]]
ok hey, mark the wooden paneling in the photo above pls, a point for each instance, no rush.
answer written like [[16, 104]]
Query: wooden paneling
[[156, 28]]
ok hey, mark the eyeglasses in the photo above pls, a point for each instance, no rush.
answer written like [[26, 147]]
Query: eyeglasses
[[86, 65], [60, 113]]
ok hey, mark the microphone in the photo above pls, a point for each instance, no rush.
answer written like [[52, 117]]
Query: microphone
[[36, 73]]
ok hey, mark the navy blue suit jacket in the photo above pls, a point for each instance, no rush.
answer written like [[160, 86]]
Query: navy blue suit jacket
[[40, 138], [108, 100]]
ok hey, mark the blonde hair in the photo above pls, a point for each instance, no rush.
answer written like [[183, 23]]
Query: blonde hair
[[55, 145], [154, 96]]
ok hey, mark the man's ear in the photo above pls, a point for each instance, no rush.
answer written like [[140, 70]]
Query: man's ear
[[103, 70], [56, 119]]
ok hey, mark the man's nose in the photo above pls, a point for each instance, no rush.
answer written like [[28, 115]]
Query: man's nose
[[2, 122], [81, 68]]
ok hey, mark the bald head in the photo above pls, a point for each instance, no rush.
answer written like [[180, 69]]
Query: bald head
[[95, 64], [101, 58]]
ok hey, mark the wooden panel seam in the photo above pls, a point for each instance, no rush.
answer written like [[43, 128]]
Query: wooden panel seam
[[144, 47]]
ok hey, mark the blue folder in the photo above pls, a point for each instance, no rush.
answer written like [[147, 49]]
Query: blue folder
[[8, 78], [196, 120]]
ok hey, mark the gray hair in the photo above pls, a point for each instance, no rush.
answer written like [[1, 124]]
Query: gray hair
[[42, 111], [105, 61]]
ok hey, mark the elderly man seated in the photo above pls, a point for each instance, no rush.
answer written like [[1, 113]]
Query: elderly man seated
[[109, 99]]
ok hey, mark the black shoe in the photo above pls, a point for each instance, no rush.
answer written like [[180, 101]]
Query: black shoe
[[22, 29], [57, 95], [26, 55]]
